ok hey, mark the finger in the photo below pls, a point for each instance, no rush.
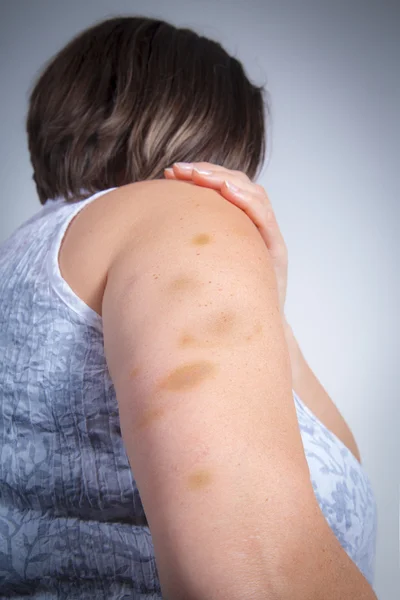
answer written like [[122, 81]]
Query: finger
[[181, 172], [169, 174], [186, 169], [215, 179], [261, 215], [248, 196]]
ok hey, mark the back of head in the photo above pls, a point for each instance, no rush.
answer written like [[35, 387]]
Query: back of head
[[128, 97]]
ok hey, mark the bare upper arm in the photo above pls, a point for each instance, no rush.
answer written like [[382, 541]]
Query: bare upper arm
[[196, 351]]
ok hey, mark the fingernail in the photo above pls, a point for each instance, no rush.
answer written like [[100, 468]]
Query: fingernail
[[169, 170], [231, 186], [184, 166], [202, 171]]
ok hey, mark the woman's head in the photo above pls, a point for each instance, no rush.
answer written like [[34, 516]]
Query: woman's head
[[130, 96]]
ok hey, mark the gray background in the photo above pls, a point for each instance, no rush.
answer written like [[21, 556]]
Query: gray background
[[332, 68]]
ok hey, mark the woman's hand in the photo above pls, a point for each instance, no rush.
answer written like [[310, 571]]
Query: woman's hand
[[236, 187]]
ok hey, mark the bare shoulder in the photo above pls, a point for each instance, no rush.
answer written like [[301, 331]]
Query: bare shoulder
[[158, 198], [133, 216], [161, 223], [145, 207]]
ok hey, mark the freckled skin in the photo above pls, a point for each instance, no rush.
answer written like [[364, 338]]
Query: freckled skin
[[256, 332], [191, 375], [222, 324], [181, 284], [220, 327], [187, 283]]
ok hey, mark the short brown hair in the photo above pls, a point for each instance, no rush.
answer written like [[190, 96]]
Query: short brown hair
[[128, 97]]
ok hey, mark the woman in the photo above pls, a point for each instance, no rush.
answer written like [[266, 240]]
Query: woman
[[150, 381]]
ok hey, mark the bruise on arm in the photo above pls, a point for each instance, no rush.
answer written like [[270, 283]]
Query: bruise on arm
[[189, 375]]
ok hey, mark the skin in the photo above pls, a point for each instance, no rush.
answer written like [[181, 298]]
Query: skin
[[326, 571], [252, 198], [237, 188]]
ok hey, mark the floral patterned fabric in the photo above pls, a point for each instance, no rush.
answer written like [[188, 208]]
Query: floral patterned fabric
[[72, 524], [342, 488]]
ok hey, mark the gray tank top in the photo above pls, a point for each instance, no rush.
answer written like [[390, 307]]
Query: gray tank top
[[72, 523]]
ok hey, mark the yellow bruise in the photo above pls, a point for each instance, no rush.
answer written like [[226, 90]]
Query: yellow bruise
[[192, 374]]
